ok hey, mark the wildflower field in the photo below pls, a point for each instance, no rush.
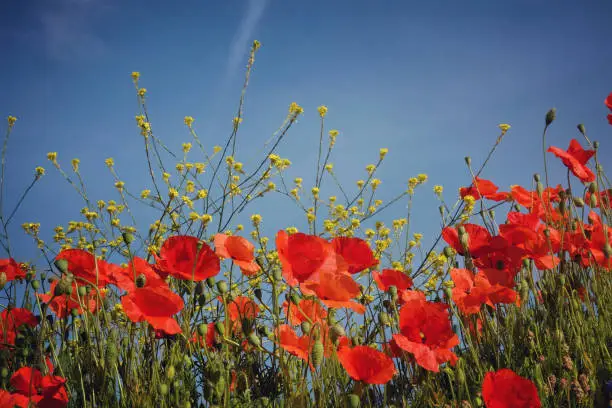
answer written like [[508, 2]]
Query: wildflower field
[[510, 306]]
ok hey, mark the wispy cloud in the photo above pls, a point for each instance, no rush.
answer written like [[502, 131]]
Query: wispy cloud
[[66, 29], [242, 39]]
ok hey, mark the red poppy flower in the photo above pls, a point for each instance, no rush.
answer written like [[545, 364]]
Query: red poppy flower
[[598, 241], [85, 267], [506, 389], [44, 391], [12, 269], [575, 158], [242, 309], [604, 197], [302, 256], [356, 252], [426, 333], [471, 292], [185, 257], [307, 310], [392, 277], [608, 101], [125, 278], [483, 188], [478, 237], [63, 305], [363, 363], [210, 340], [610, 118], [335, 290], [155, 305], [239, 249], [298, 346], [11, 320]]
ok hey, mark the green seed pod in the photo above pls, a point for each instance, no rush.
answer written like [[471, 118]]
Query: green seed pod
[[202, 329], [353, 401], [63, 287], [210, 282], [593, 187], [35, 284], [170, 372], [220, 328], [581, 128], [62, 265], [82, 291], [254, 340], [141, 281], [306, 326], [578, 202], [316, 355], [449, 252], [551, 115], [222, 287], [163, 389]]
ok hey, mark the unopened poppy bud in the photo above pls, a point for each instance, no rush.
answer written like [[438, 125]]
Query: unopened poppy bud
[[220, 328], [468, 160], [562, 206], [596, 145], [141, 281], [593, 188], [199, 288], [4, 372], [306, 326], [3, 279], [62, 265], [35, 284], [526, 263], [336, 332], [254, 340], [448, 252], [536, 178], [581, 128], [551, 115], [82, 291], [539, 188], [353, 401], [393, 291], [63, 287], [593, 201], [464, 239], [210, 282], [448, 292], [384, 319], [170, 372], [222, 287], [202, 329], [478, 401], [578, 202], [607, 250], [163, 389], [74, 313], [316, 355], [127, 238]]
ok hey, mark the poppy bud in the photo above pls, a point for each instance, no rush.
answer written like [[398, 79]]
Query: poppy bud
[[562, 207], [593, 188], [35, 284], [607, 250], [353, 401], [316, 355], [295, 298], [163, 389], [62, 265], [82, 291], [4, 372], [464, 239], [220, 328], [393, 292], [336, 332], [170, 372], [222, 287], [448, 252], [199, 288], [254, 340], [551, 115], [210, 282], [141, 280], [547, 233], [581, 128], [468, 160], [74, 312], [596, 145], [536, 178], [441, 209], [306, 326], [63, 287], [448, 292], [3, 279], [524, 291], [478, 401], [539, 188], [202, 329], [384, 319], [593, 201], [526, 263], [578, 202]]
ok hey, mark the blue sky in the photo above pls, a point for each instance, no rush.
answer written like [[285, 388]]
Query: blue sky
[[428, 80]]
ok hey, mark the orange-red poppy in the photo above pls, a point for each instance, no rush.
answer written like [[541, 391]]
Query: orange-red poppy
[[186, 257], [505, 389], [355, 252], [239, 250], [575, 158], [155, 305], [363, 363]]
